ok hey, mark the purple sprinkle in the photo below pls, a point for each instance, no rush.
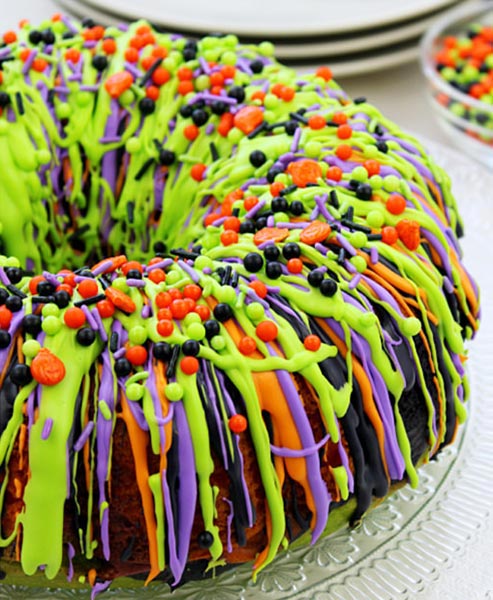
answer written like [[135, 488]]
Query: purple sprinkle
[[133, 70], [204, 65], [373, 255], [89, 88], [75, 77], [61, 89], [68, 24], [207, 270], [146, 311], [47, 427], [253, 211], [296, 139], [3, 277], [189, 271], [99, 588], [90, 44], [119, 353], [90, 319], [106, 265], [210, 128], [212, 98], [321, 248], [350, 267], [354, 281], [136, 282], [270, 221], [101, 329], [51, 278], [163, 264], [29, 62], [283, 225], [345, 244]]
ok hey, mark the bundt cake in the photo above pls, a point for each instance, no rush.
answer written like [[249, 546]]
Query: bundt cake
[[232, 302]]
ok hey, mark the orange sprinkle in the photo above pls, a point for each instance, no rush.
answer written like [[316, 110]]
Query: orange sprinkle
[[317, 231], [248, 118], [270, 234], [46, 368], [304, 171]]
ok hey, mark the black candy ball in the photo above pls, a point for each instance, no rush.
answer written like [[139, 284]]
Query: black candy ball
[[223, 312], [253, 262], [257, 158], [162, 351], [20, 374]]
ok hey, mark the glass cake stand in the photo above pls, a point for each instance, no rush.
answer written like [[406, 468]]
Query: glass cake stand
[[428, 543]]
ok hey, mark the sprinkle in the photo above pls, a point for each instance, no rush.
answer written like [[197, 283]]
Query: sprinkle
[[101, 329], [47, 427], [91, 321], [19, 102], [296, 140], [16, 291], [171, 370], [144, 168], [136, 283], [354, 281], [89, 301], [28, 64], [191, 272], [114, 339], [334, 200], [374, 255], [163, 264], [184, 253], [253, 211], [149, 73], [84, 436], [119, 353], [263, 126], [214, 152], [89, 88]]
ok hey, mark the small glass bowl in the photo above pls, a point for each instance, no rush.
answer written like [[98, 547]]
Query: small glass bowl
[[467, 121]]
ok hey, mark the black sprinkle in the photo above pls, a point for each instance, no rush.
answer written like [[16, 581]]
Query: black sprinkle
[[20, 103], [374, 237], [288, 190], [298, 117], [360, 100], [114, 341], [148, 74], [42, 299], [105, 282], [257, 130], [342, 256], [91, 300], [143, 169], [51, 97], [227, 275], [6, 59], [235, 212], [334, 200], [81, 270], [379, 130], [350, 213], [130, 212], [184, 253], [16, 291], [355, 226], [331, 123], [214, 152], [175, 353], [234, 279]]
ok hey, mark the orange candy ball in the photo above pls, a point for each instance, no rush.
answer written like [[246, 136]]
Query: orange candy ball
[[136, 355], [247, 345], [312, 342], [266, 331], [88, 288], [189, 365], [237, 423], [74, 317]]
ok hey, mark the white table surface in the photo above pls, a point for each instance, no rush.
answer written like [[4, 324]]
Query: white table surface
[[398, 92]]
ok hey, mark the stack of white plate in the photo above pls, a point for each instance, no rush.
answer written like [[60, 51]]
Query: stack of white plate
[[352, 36]]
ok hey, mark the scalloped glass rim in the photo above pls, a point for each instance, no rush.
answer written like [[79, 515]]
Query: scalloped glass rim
[[414, 545]]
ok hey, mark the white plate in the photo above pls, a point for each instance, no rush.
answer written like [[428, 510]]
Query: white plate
[[361, 41], [274, 18], [341, 67]]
